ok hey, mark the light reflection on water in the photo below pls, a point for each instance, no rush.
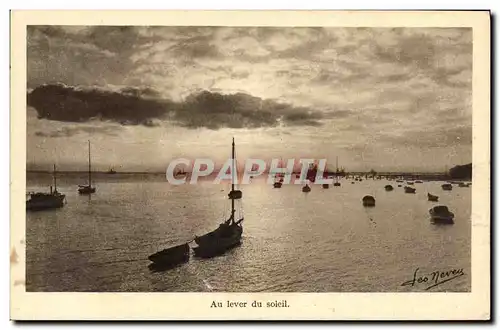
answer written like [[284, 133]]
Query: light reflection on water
[[322, 241]]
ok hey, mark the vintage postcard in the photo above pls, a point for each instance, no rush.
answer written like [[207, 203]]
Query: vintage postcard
[[250, 165]]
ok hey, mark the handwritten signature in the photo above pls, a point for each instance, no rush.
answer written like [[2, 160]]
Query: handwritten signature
[[435, 278]]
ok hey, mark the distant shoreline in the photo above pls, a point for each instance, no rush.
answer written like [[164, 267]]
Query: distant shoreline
[[93, 172], [358, 173]]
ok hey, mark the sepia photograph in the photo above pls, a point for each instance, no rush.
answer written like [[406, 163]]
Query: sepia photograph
[[202, 158]]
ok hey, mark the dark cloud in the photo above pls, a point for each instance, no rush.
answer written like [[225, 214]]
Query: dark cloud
[[70, 131], [142, 106], [64, 103]]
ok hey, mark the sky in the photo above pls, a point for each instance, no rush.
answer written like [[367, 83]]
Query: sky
[[388, 99]]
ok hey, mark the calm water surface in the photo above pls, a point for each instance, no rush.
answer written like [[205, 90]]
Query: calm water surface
[[323, 241]]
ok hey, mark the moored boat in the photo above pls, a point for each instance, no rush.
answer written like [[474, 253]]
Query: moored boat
[[337, 183], [410, 190], [432, 198], [368, 201], [170, 257], [447, 186], [441, 214], [87, 189], [228, 234], [44, 201]]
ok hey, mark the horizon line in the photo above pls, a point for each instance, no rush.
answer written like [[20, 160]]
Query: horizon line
[[188, 172]]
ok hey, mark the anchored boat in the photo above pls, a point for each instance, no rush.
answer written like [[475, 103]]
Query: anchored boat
[[441, 214], [368, 201], [447, 186], [170, 257], [87, 189], [410, 190], [432, 198], [43, 201], [337, 183], [229, 232]]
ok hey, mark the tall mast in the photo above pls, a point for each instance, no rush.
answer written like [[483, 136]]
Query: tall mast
[[232, 183], [337, 169], [55, 180], [90, 175]]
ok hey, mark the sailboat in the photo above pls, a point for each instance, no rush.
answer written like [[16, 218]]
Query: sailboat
[[88, 189], [228, 234], [279, 177], [43, 201], [337, 183], [111, 171]]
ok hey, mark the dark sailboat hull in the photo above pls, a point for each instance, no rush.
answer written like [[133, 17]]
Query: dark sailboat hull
[[219, 248], [86, 190], [170, 257], [218, 241], [46, 203]]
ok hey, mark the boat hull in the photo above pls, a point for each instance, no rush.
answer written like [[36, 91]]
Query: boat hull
[[169, 258], [442, 219], [368, 201], [441, 215], [217, 242], [46, 203], [447, 187], [209, 251], [432, 198], [86, 190]]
